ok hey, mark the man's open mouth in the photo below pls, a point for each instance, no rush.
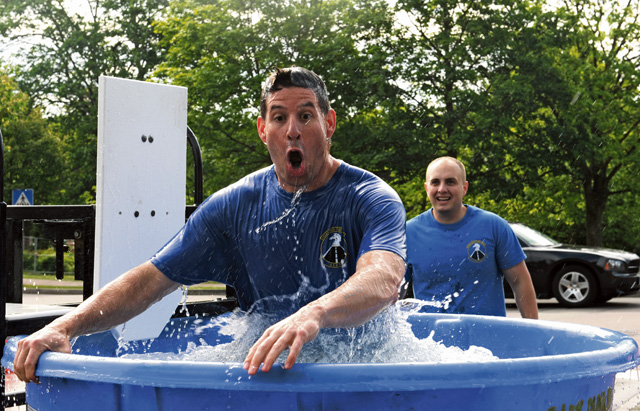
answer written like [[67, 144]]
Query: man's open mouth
[[295, 158]]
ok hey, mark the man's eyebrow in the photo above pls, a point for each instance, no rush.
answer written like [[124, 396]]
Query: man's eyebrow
[[276, 107]]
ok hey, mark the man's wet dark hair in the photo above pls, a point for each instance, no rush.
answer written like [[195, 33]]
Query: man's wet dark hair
[[295, 77]]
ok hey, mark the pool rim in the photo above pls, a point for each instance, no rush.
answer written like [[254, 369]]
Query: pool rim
[[620, 356]]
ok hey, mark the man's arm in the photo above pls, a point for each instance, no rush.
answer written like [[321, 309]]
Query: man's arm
[[519, 279], [117, 302], [368, 291]]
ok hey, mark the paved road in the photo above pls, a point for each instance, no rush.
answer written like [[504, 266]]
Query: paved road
[[620, 314]]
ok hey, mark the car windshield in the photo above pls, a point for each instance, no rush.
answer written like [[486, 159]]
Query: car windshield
[[532, 237]]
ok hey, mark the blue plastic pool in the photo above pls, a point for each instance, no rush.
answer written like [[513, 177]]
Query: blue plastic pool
[[542, 366]]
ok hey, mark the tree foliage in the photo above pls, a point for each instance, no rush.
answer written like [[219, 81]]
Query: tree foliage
[[527, 98], [541, 103], [65, 53], [223, 50], [32, 155], [467, 69], [597, 132]]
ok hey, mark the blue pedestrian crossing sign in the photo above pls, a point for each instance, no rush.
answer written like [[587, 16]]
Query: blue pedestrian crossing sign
[[23, 196]]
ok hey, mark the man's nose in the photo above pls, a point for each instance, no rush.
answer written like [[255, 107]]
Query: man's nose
[[293, 129]]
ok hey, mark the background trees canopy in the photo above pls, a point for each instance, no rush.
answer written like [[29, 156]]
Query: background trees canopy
[[541, 103], [223, 51], [31, 146], [64, 54]]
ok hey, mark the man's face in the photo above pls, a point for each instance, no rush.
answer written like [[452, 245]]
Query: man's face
[[446, 189], [297, 136]]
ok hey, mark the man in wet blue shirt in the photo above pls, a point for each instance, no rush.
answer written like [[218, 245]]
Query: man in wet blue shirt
[[458, 255], [310, 235]]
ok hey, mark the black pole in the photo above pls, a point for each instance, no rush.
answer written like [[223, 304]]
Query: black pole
[[3, 271], [197, 160], [1, 167]]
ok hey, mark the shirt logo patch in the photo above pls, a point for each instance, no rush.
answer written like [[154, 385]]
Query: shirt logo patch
[[333, 249], [476, 251]]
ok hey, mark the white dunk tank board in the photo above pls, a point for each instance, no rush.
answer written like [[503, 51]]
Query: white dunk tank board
[[141, 183]]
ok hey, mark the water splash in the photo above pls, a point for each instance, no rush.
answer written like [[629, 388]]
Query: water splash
[[386, 339], [183, 302], [294, 203]]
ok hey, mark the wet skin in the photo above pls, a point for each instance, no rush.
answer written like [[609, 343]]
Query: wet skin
[[298, 137]]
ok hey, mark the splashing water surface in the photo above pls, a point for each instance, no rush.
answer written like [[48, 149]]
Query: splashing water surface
[[386, 339]]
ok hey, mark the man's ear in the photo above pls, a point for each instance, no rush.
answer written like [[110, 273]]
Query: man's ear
[[466, 188], [260, 123], [330, 122]]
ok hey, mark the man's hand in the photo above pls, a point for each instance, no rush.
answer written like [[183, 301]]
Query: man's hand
[[292, 332], [116, 303], [30, 349], [368, 291]]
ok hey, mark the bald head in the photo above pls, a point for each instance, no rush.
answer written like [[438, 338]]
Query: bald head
[[458, 163], [446, 186]]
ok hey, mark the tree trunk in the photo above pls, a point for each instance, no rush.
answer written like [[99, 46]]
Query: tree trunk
[[596, 194]]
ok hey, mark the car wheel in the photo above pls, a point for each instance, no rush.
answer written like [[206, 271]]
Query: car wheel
[[575, 286]]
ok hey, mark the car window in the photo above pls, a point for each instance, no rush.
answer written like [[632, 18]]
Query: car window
[[531, 237]]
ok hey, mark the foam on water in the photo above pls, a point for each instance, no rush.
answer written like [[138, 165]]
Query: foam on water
[[386, 339]]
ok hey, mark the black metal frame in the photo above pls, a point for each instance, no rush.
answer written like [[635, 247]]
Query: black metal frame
[[67, 222]]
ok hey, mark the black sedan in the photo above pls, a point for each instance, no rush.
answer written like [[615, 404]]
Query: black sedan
[[577, 276]]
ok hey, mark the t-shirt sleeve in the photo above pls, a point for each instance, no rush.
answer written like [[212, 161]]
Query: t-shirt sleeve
[[193, 255], [509, 252], [384, 219]]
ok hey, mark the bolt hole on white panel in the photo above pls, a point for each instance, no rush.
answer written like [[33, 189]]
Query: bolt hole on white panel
[[141, 183]]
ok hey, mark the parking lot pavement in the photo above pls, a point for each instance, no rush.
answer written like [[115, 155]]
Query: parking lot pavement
[[620, 314]]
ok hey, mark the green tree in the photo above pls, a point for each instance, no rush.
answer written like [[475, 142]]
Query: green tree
[[222, 50], [32, 157], [529, 99], [450, 56], [66, 54], [597, 133], [578, 124]]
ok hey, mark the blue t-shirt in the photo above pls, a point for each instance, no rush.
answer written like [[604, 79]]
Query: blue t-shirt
[[456, 268], [285, 249]]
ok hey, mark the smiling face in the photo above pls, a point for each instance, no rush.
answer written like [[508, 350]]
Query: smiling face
[[446, 187], [298, 137]]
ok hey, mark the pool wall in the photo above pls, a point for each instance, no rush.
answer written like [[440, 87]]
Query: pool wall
[[543, 366]]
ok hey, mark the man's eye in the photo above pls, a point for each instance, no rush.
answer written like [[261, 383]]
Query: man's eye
[[306, 117], [278, 118]]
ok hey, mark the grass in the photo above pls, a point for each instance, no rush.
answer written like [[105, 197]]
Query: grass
[[40, 276]]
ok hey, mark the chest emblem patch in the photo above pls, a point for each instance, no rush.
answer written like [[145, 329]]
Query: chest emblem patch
[[333, 248], [476, 251]]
